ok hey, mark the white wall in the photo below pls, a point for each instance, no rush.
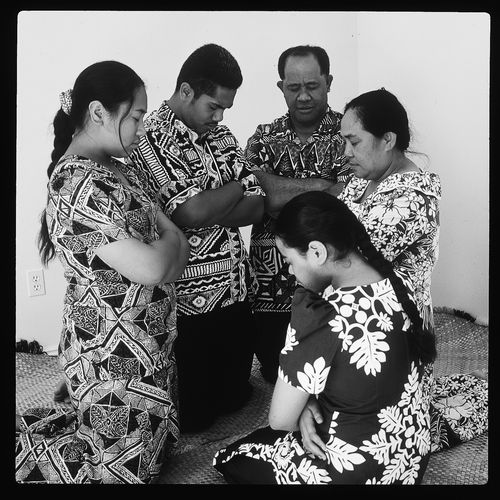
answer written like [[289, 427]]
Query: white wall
[[438, 64], [53, 47], [439, 69]]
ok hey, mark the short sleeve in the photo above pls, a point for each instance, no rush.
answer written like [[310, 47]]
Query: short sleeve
[[256, 152], [175, 192], [310, 346], [90, 209], [399, 222], [162, 159], [249, 183], [396, 219], [238, 165]]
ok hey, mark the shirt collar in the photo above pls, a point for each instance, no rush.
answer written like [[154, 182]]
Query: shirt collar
[[175, 122], [324, 125]]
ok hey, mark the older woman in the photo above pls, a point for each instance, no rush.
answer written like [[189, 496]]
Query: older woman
[[398, 203], [357, 346]]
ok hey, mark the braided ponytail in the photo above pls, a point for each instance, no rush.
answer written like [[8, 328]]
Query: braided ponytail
[[422, 341], [317, 215], [110, 82], [63, 133]]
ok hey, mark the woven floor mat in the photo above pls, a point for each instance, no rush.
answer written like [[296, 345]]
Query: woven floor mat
[[466, 463], [462, 345], [231, 427], [194, 466], [37, 376], [462, 348]]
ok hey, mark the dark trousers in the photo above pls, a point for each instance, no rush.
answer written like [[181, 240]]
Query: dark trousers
[[214, 354], [270, 338]]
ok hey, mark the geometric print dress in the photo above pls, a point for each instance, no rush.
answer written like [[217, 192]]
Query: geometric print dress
[[349, 350], [116, 342]]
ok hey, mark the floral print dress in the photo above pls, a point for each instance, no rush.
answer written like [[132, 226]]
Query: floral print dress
[[349, 349], [402, 218], [338, 348], [116, 342]]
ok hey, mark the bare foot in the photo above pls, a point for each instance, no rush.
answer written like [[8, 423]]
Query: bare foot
[[18, 423], [61, 394]]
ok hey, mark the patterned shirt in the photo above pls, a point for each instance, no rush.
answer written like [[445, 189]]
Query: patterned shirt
[[402, 218], [275, 148], [177, 164]]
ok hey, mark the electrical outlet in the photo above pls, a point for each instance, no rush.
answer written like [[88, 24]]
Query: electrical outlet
[[36, 283]]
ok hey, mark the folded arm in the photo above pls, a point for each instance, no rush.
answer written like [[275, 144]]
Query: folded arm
[[293, 409], [248, 210], [225, 206], [180, 259], [279, 190], [286, 406], [160, 261]]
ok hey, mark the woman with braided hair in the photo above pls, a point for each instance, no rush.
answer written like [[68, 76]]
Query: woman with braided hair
[[398, 203], [120, 254], [358, 346]]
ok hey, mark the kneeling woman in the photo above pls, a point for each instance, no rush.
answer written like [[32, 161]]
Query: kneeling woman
[[356, 343]]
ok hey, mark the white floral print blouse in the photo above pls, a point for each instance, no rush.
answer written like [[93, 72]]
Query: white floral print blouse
[[349, 349], [402, 218]]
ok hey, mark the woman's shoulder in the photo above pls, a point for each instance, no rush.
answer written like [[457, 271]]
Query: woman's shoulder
[[73, 171], [348, 299], [309, 311], [331, 300], [307, 299], [422, 181], [74, 162], [80, 164], [337, 308]]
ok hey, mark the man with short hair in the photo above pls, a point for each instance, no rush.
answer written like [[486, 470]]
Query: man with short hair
[[300, 151], [201, 176]]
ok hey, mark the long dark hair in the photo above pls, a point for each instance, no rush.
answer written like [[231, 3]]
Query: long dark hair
[[379, 111], [110, 82], [316, 215]]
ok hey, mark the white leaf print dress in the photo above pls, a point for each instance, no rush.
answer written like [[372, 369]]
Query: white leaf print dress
[[350, 349]]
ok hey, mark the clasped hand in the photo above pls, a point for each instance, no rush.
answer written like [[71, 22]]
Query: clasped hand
[[311, 442]]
